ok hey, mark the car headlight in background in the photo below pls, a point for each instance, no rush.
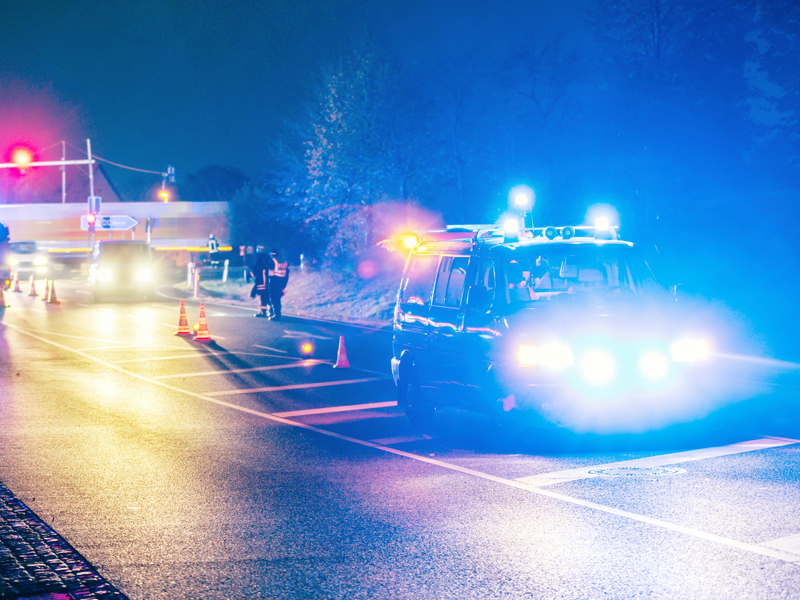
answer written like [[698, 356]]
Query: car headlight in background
[[144, 274], [554, 355], [104, 274], [598, 367], [689, 350], [13, 261], [654, 365], [40, 260]]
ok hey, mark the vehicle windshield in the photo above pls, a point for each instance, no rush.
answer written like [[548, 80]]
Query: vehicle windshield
[[541, 272], [23, 247], [124, 252]]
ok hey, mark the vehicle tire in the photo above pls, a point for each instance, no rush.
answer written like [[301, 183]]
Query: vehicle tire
[[494, 395], [418, 409]]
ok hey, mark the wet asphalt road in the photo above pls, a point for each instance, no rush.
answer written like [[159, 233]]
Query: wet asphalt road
[[241, 470]]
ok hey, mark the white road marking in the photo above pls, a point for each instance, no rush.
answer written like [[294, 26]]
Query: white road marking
[[300, 386], [200, 353], [656, 461], [269, 348], [83, 292], [753, 548], [402, 439], [132, 346], [334, 409], [304, 363], [171, 326], [787, 544], [106, 310], [292, 334], [74, 337], [79, 304]]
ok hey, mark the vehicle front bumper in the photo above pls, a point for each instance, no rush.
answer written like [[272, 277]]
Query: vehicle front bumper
[[625, 403]]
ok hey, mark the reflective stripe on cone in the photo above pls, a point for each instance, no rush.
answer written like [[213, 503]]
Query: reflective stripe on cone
[[183, 323], [202, 331]]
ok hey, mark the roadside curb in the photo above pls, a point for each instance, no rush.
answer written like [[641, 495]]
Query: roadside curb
[[36, 562]]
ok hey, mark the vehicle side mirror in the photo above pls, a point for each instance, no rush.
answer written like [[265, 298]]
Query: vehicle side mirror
[[479, 298]]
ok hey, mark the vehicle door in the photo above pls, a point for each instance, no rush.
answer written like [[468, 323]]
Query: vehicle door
[[446, 320], [481, 334], [411, 310]]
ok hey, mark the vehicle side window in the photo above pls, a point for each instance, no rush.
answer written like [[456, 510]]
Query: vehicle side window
[[455, 286], [419, 279], [450, 281], [486, 276], [441, 281]]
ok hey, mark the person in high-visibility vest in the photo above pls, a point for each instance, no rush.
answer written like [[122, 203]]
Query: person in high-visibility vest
[[213, 249], [278, 278], [261, 286]]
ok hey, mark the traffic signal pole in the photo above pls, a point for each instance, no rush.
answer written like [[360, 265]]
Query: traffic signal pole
[[91, 170], [63, 173]]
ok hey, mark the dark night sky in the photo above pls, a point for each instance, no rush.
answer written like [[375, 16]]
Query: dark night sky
[[211, 82]]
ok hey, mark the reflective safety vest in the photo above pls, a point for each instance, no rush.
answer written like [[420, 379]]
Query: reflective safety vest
[[263, 281], [279, 269]]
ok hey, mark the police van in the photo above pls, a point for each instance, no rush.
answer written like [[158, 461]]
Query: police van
[[567, 322]]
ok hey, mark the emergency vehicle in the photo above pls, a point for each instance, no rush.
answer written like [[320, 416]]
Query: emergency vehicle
[[568, 322]]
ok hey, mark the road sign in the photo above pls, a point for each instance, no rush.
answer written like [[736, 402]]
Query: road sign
[[94, 204], [110, 223]]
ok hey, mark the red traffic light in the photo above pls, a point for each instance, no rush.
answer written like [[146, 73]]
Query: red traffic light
[[22, 157], [90, 218]]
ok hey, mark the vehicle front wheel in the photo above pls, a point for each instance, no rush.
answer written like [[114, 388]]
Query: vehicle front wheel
[[498, 401], [419, 410]]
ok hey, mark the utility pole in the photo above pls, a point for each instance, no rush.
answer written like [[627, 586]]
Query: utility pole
[[91, 169], [64, 172]]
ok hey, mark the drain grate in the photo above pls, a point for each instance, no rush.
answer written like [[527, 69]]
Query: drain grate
[[637, 471]]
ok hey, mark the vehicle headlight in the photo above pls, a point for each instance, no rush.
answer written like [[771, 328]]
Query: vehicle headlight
[[654, 365], [598, 367], [104, 274], [144, 274], [554, 355], [689, 350], [13, 261], [40, 260]]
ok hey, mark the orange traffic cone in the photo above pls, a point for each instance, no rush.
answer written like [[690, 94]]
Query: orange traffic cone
[[46, 294], [183, 323], [202, 332], [3, 299], [341, 356], [33, 288], [16, 283], [51, 293]]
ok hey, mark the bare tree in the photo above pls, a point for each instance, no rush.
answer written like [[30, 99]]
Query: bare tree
[[545, 77]]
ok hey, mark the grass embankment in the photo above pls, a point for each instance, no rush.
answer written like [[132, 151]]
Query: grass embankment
[[322, 294]]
